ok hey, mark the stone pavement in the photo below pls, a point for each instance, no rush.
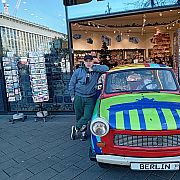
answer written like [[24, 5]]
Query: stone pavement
[[41, 151]]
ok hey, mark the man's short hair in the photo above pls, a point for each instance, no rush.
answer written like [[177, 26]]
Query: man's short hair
[[88, 57]]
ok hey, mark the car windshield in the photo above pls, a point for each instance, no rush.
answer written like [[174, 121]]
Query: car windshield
[[141, 80]]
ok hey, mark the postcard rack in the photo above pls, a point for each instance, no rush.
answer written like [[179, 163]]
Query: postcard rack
[[39, 86], [11, 74], [42, 112]]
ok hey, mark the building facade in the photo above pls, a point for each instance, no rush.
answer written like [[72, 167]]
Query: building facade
[[20, 37]]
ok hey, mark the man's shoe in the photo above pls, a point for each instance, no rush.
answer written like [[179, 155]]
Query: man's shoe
[[74, 133], [83, 136]]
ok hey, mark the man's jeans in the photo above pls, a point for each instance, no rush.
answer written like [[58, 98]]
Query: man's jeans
[[83, 107]]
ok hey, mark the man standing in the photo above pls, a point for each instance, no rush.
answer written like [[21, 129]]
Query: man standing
[[83, 89]]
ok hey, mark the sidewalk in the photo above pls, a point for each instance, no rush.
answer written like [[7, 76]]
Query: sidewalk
[[41, 151]]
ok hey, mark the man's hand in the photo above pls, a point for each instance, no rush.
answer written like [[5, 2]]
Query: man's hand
[[72, 99]]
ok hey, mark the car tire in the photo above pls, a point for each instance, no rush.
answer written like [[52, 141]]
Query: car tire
[[103, 165], [92, 156]]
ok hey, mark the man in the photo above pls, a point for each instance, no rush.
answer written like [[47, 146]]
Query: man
[[95, 58], [83, 89]]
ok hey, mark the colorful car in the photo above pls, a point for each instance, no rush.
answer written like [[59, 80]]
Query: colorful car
[[136, 120]]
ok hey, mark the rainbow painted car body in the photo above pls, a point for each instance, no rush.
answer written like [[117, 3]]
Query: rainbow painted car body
[[136, 120]]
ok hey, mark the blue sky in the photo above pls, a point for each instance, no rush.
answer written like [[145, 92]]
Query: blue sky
[[51, 13]]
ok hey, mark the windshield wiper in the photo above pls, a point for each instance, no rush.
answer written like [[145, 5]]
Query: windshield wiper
[[146, 91]]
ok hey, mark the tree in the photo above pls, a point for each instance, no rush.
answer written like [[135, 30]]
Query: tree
[[104, 54], [152, 3]]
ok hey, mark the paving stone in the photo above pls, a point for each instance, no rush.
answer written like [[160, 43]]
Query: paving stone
[[30, 147], [44, 151], [44, 175], [154, 177], [21, 166], [4, 158], [36, 142], [7, 148], [55, 143], [24, 136], [176, 176], [29, 155], [2, 153], [42, 156], [59, 167], [29, 162], [43, 165], [68, 144], [66, 152], [3, 175], [165, 174], [133, 175], [68, 174], [93, 172], [18, 142], [71, 160], [15, 154], [13, 170], [85, 163], [25, 174], [8, 164], [55, 150]]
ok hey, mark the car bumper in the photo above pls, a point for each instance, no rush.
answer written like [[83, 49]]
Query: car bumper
[[121, 160]]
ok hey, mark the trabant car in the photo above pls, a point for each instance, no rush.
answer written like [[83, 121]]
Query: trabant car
[[136, 120]]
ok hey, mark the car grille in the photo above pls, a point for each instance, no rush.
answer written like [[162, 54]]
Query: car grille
[[146, 141]]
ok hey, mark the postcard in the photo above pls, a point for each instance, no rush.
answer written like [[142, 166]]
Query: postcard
[[7, 73], [11, 99]]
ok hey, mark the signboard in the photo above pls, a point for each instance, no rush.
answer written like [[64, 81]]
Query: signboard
[[75, 2]]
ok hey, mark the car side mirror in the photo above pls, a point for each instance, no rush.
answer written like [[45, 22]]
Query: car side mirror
[[99, 86]]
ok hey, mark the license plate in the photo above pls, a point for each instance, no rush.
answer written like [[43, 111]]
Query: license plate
[[155, 166]]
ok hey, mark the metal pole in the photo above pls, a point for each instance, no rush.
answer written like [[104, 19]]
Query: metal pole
[[69, 40], [2, 79]]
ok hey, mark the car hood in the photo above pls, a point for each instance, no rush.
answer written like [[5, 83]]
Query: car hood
[[145, 111]]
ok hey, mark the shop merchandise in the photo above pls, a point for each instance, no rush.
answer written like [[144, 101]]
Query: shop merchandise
[[176, 53], [38, 77], [11, 75]]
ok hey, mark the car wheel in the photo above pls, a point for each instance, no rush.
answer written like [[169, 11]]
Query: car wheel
[[103, 165]]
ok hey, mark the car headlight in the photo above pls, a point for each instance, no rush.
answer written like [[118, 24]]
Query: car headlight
[[99, 127]]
